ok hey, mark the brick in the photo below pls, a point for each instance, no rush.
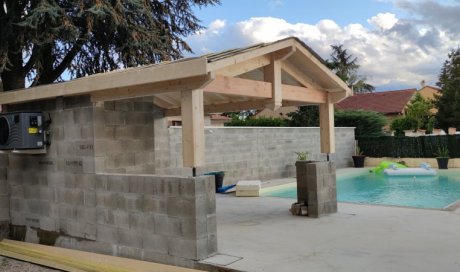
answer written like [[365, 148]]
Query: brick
[[118, 184], [183, 248], [165, 225], [107, 233]]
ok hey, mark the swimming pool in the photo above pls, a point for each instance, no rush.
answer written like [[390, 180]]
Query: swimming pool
[[436, 192]]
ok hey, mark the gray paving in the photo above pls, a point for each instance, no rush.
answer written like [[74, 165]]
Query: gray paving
[[358, 238]]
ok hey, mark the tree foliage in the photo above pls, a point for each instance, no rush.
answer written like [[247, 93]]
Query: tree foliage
[[419, 109], [345, 66], [305, 116], [402, 123], [40, 39], [367, 123], [257, 122], [448, 102]]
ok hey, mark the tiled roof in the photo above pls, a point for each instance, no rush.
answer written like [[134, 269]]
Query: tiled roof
[[219, 117], [389, 102]]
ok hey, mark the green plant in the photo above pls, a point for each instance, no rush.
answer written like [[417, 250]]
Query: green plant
[[302, 155], [358, 151], [443, 152], [257, 122]]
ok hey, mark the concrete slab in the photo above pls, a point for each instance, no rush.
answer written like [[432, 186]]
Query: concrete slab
[[221, 260], [357, 238]]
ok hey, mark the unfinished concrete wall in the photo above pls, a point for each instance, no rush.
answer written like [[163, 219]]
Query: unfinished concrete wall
[[4, 198], [256, 153], [124, 136], [59, 197]]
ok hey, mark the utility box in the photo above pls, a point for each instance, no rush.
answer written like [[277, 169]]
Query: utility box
[[22, 130]]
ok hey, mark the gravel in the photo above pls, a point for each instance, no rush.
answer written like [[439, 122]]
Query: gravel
[[11, 265]]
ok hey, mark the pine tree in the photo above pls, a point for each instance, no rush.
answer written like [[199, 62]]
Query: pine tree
[[42, 39], [345, 66], [448, 102]]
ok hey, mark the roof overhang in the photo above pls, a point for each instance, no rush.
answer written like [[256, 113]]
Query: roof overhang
[[284, 72]]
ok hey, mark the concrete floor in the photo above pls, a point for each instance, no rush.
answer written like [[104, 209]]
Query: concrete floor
[[357, 238]]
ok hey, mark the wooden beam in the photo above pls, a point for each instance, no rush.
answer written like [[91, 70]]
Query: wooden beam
[[162, 103], [326, 124], [272, 74], [240, 87], [301, 94], [336, 97], [224, 107], [244, 67], [151, 89], [75, 260], [249, 54], [298, 75], [143, 77], [192, 128]]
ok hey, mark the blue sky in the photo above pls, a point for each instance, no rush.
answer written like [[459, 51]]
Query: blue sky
[[398, 43]]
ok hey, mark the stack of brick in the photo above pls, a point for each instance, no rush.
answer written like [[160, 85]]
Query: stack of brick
[[4, 198]]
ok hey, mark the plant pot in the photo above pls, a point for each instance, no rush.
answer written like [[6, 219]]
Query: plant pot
[[358, 161], [443, 162]]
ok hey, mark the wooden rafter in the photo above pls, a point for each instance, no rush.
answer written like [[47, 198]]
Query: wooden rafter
[[244, 67]]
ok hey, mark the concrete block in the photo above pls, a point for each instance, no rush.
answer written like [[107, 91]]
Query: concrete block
[[107, 234], [130, 238], [156, 243], [166, 225], [128, 252], [183, 248], [180, 206], [153, 204], [118, 183]]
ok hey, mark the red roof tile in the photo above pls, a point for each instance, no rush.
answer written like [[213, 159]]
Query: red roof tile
[[220, 117], [389, 102]]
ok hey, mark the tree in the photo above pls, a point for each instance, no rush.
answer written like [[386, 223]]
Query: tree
[[419, 109], [400, 124], [305, 116], [448, 102], [346, 67], [42, 39]]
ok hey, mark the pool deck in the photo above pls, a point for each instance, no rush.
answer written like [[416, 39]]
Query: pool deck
[[259, 234]]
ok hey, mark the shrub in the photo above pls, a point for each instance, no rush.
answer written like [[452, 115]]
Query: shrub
[[367, 123], [258, 122], [403, 123]]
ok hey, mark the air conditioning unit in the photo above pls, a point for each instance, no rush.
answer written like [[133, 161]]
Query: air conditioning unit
[[22, 130]]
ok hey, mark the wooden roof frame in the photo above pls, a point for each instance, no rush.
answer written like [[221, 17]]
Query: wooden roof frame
[[261, 76]]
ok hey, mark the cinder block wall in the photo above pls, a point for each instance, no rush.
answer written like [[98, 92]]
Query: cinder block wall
[[77, 196], [257, 153], [124, 136], [4, 198]]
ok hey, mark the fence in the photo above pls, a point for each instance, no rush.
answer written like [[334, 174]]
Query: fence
[[409, 147]]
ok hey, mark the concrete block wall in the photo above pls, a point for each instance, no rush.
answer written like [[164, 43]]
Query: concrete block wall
[[124, 136], [4, 198], [255, 153]]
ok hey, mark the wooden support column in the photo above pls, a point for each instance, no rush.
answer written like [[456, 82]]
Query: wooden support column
[[192, 128], [272, 74], [326, 123]]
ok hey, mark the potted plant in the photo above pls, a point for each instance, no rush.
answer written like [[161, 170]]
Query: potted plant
[[358, 158], [302, 155], [442, 157]]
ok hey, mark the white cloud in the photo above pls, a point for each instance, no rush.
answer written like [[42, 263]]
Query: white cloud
[[383, 20], [392, 51]]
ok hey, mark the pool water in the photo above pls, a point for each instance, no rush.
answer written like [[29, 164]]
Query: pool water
[[422, 192]]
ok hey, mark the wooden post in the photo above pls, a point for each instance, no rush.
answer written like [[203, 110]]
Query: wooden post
[[272, 74], [192, 128], [326, 124]]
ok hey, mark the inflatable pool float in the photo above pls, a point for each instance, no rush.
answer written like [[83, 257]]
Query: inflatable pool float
[[424, 170], [385, 165]]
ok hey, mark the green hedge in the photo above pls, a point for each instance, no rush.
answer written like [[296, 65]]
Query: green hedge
[[409, 147]]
